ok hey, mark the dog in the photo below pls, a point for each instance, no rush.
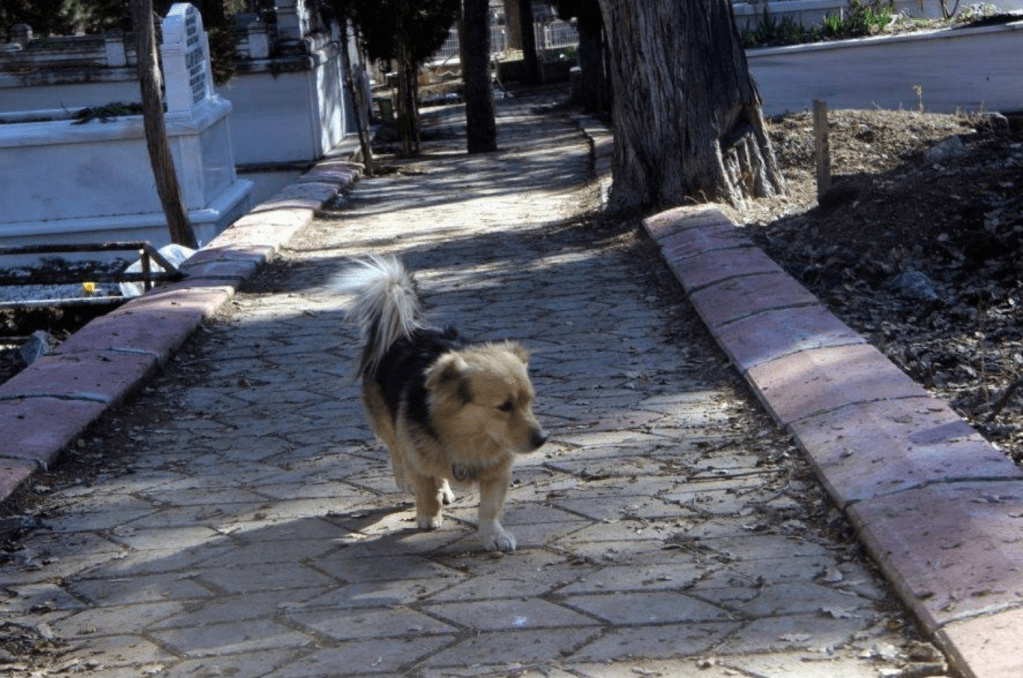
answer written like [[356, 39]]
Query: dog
[[450, 412]]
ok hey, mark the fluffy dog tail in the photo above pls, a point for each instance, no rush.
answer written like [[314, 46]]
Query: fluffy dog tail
[[386, 306]]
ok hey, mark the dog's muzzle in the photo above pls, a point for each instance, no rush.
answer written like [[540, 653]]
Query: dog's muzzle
[[537, 440]]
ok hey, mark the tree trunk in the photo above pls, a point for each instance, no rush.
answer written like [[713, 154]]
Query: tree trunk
[[688, 125], [595, 90], [481, 128], [405, 100], [358, 100], [160, 157], [531, 69]]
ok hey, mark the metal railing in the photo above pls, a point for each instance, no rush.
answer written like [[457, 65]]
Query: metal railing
[[550, 34], [147, 276]]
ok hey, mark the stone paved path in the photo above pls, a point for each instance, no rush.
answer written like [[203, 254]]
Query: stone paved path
[[243, 522]]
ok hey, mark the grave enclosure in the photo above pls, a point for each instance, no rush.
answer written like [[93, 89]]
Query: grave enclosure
[[65, 182]]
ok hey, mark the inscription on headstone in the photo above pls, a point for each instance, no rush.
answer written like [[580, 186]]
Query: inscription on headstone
[[186, 62]]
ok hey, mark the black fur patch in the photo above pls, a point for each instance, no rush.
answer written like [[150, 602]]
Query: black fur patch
[[402, 371]]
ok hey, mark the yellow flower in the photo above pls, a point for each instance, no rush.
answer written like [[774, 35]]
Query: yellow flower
[[88, 288]]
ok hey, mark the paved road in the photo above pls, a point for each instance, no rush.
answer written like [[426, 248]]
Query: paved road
[[238, 519]]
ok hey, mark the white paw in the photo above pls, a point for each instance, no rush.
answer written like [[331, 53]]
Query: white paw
[[425, 522], [444, 494], [496, 538]]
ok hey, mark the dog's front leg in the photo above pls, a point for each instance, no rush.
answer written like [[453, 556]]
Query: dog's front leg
[[491, 534]]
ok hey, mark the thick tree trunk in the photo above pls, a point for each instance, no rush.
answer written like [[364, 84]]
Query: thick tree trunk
[[687, 120], [481, 128], [160, 157]]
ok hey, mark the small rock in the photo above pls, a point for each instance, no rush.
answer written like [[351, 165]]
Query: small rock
[[38, 345], [946, 150], [916, 285]]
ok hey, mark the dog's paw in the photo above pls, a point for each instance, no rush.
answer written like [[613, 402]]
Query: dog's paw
[[496, 538], [444, 494], [425, 522]]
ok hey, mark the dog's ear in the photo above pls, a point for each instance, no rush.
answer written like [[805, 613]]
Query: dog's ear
[[448, 379], [448, 370], [517, 350]]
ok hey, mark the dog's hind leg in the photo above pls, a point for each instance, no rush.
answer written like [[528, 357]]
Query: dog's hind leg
[[491, 534], [428, 501]]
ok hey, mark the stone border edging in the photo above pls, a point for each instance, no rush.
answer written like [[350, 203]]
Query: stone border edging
[[46, 407], [938, 507]]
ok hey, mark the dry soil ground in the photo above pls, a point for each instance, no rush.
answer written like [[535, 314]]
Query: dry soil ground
[[918, 246]]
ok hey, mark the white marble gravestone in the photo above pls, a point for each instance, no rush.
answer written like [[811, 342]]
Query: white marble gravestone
[[84, 183], [186, 60]]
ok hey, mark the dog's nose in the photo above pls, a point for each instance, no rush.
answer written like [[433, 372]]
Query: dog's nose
[[538, 439]]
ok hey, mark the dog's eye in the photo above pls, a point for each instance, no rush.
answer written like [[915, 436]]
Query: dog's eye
[[507, 406]]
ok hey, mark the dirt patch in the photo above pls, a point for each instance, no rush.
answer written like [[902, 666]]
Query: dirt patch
[[918, 246]]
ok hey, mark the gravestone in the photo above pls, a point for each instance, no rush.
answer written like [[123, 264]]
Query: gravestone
[[186, 60], [98, 183]]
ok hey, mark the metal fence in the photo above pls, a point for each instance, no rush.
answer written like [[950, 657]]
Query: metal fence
[[550, 35]]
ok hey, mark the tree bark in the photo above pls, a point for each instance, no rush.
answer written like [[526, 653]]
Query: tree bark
[[481, 127], [531, 67], [160, 158], [595, 88], [359, 107], [688, 125]]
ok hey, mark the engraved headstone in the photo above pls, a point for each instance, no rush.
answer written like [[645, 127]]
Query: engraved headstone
[[186, 59]]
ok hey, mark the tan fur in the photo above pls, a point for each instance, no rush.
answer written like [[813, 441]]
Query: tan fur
[[480, 409]]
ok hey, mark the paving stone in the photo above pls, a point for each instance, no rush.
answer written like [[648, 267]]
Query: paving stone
[[510, 649], [376, 657], [646, 607], [663, 640], [353, 624], [230, 638], [243, 665], [815, 632], [513, 614], [244, 577]]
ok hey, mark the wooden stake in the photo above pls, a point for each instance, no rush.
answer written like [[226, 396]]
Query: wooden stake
[[822, 147]]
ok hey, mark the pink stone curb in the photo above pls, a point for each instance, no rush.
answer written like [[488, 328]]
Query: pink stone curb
[[808, 382], [739, 298], [987, 646], [953, 549], [50, 404], [938, 507]]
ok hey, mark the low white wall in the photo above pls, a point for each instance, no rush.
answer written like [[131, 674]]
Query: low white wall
[[283, 110], [65, 182], [812, 12], [294, 114], [968, 70]]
